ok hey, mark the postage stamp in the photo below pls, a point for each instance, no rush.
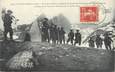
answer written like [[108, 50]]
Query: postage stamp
[[89, 14]]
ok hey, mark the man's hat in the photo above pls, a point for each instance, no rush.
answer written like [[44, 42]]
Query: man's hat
[[46, 19], [77, 30], [71, 30], [9, 11]]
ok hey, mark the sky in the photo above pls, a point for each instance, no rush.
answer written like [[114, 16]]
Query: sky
[[28, 13]]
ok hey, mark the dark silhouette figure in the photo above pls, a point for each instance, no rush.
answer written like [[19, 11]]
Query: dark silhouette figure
[[62, 36], [99, 41], [7, 20], [107, 42], [77, 37], [58, 31], [45, 28], [91, 42], [70, 37], [55, 34]]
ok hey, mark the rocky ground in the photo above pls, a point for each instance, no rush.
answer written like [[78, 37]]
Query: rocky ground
[[61, 58]]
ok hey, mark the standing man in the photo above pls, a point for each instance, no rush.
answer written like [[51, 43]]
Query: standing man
[[107, 42], [59, 30], [62, 36], [91, 42], [45, 29], [7, 20], [99, 41], [70, 37], [77, 37], [55, 34]]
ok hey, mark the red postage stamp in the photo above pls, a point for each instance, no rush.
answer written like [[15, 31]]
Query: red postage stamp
[[89, 14]]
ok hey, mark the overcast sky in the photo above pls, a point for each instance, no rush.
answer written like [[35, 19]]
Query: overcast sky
[[27, 13]]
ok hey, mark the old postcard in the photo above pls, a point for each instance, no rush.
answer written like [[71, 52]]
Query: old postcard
[[57, 35]]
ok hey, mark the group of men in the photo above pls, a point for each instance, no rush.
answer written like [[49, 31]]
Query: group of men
[[52, 33], [74, 38], [99, 42]]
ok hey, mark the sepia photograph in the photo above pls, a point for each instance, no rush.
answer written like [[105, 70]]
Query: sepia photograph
[[57, 36]]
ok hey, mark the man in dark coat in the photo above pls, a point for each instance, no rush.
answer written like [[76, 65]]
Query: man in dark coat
[[7, 20], [107, 42], [99, 41], [45, 29], [55, 34], [70, 37], [91, 42], [77, 37], [62, 35], [58, 31]]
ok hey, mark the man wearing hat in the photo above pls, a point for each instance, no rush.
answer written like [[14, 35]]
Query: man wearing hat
[[62, 35], [107, 42], [70, 37], [77, 37], [7, 20], [45, 28]]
